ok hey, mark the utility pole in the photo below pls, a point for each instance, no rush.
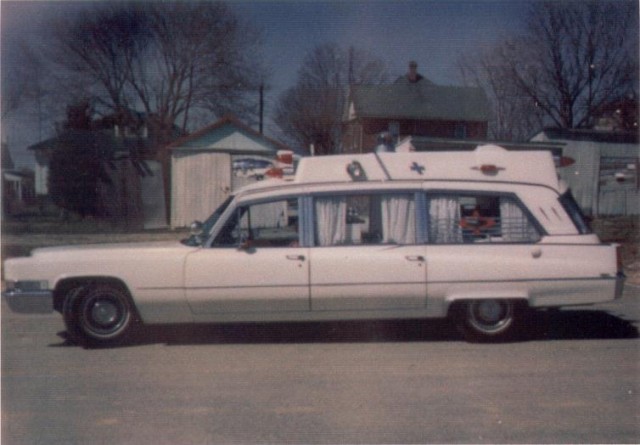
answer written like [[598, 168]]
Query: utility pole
[[261, 106]]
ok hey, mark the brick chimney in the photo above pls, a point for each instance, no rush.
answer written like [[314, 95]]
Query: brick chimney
[[412, 75]]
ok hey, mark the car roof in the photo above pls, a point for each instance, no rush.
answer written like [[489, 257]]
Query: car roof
[[487, 163]]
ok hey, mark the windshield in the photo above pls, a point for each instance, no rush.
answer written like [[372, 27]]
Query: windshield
[[207, 225]]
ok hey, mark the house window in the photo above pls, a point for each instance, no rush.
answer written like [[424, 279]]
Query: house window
[[472, 218], [460, 131], [394, 131]]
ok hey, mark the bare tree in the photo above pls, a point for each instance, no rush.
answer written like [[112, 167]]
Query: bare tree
[[514, 115], [13, 89], [310, 112], [169, 58], [573, 58], [28, 86], [97, 47]]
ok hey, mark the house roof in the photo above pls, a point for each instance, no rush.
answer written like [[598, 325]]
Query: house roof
[[105, 142], [228, 135], [612, 137], [431, 144], [420, 100]]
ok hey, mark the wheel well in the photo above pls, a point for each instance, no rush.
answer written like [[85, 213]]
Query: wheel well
[[457, 305], [65, 286]]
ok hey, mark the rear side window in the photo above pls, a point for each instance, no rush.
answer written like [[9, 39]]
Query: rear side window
[[574, 211], [474, 218], [377, 218]]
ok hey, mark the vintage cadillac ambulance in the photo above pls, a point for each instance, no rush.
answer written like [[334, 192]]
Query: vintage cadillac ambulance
[[481, 237]]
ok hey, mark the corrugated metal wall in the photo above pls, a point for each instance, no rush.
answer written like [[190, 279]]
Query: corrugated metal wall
[[593, 177]]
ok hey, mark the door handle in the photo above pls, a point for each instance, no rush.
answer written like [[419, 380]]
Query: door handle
[[295, 257], [415, 257], [536, 253]]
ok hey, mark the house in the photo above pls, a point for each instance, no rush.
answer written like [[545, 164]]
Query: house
[[424, 143], [132, 189], [209, 164], [604, 177], [412, 106], [618, 115], [17, 185]]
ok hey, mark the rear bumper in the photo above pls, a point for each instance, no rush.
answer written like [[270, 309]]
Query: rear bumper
[[29, 302]]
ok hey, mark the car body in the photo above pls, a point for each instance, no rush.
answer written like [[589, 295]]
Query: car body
[[478, 236]]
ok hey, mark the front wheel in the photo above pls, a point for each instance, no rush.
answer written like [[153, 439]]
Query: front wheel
[[489, 319], [99, 315]]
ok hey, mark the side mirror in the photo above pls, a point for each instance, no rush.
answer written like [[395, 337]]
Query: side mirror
[[244, 241], [195, 229]]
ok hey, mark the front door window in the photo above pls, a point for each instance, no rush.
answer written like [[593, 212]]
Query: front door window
[[265, 224]]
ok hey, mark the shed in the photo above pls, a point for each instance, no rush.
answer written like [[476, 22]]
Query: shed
[[604, 178], [202, 167]]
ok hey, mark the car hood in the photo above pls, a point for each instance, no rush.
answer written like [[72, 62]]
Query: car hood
[[110, 248]]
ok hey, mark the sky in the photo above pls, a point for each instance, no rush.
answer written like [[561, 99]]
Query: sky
[[432, 32]]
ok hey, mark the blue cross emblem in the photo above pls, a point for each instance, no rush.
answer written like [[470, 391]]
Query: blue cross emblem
[[417, 168]]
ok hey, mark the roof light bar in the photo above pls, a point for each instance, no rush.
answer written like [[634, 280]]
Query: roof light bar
[[489, 169]]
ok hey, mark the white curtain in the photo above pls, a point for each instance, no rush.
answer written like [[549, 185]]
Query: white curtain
[[515, 224], [398, 219], [331, 221], [444, 220]]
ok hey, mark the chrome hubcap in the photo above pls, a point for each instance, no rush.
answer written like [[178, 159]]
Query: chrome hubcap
[[490, 316], [104, 313], [489, 311]]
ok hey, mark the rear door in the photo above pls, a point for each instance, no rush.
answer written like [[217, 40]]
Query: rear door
[[366, 255], [483, 245]]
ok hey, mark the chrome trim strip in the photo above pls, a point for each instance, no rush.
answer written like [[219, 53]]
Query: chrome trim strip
[[526, 280], [523, 280]]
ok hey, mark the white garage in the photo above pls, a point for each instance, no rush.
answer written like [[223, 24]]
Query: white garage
[[202, 167]]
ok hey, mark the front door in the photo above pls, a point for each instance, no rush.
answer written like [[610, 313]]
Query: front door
[[255, 264]]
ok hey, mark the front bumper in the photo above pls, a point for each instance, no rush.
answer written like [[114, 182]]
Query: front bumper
[[29, 302]]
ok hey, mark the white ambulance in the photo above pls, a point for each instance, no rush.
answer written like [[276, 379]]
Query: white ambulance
[[481, 237]]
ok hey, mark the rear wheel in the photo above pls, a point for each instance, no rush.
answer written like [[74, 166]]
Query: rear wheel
[[489, 319], [99, 315]]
